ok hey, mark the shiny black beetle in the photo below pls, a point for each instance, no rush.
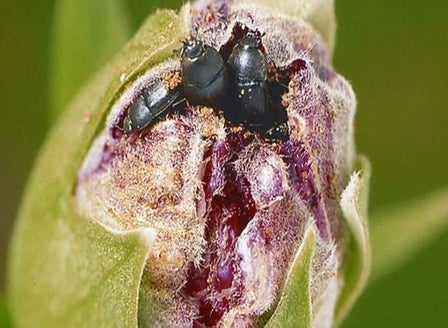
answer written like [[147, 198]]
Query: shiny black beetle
[[248, 72], [204, 77], [204, 82], [153, 102], [237, 85]]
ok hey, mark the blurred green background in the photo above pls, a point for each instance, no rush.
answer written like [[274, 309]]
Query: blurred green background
[[395, 55]]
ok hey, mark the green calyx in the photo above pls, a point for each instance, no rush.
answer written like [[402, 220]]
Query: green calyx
[[99, 285]]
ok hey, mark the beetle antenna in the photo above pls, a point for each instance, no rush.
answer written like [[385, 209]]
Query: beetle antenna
[[180, 101]]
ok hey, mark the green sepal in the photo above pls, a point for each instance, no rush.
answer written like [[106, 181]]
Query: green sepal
[[294, 307], [357, 257], [139, 10], [86, 35], [319, 13], [66, 270]]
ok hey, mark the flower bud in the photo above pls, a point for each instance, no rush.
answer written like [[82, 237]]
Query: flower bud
[[224, 211]]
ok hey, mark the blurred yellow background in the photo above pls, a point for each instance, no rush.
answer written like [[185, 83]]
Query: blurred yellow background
[[395, 55]]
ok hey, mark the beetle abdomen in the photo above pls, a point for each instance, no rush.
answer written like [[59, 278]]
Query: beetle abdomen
[[204, 77], [153, 102], [248, 71]]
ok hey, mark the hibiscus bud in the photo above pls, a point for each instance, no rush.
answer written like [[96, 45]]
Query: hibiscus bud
[[219, 185]]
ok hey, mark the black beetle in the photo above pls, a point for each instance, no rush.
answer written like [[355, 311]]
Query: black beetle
[[238, 86], [204, 76], [152, 103], [248, 76]]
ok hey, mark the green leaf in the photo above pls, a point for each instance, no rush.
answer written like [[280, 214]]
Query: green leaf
[[66, 270], [294, 307], [356, 268], [401, 231], [86, 34], [4, 315]]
